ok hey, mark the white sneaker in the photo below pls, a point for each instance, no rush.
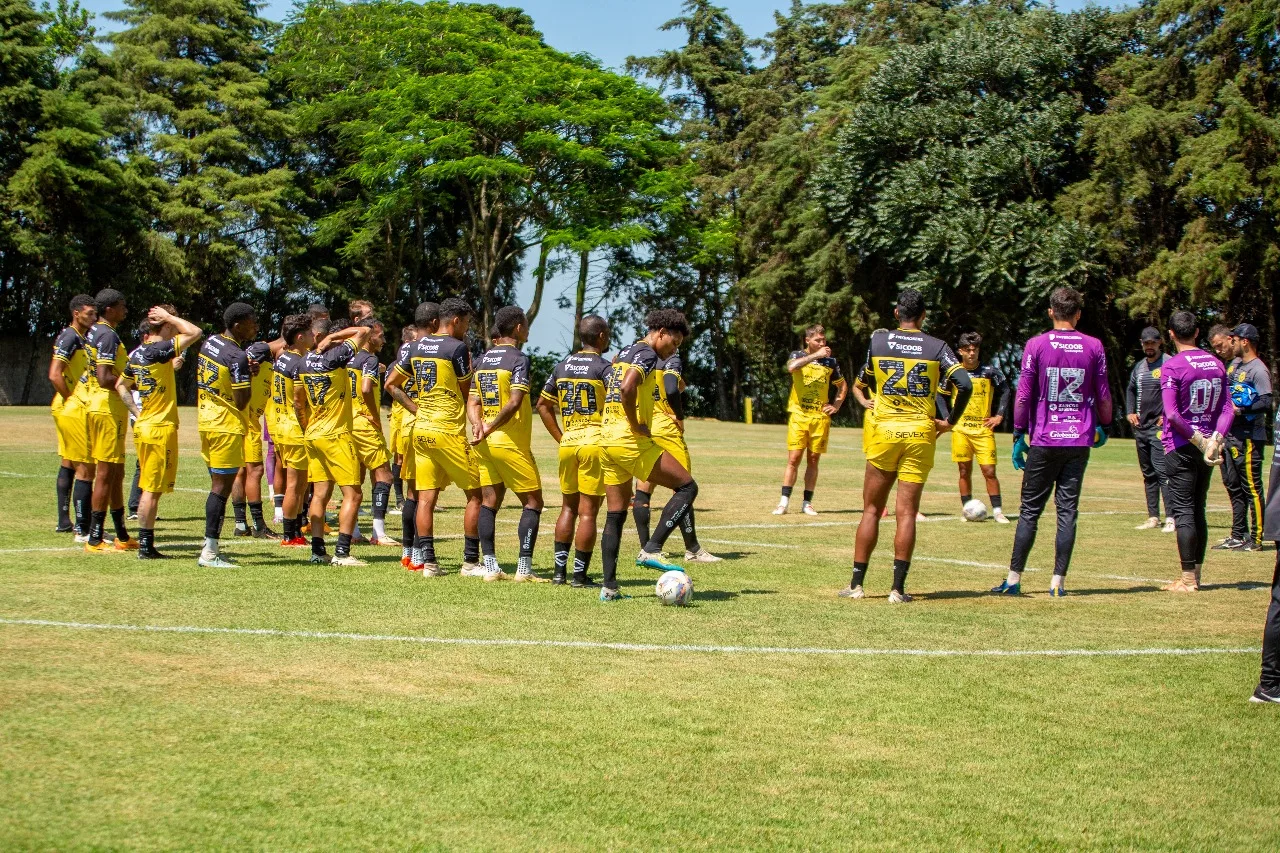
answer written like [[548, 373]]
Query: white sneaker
[[896, 597], [851, 592], [215, 561], [1150, 524], [702, 556], [347, 561], [82, 539], [781, 509], [998, 515], [499, 575], [920, 516], [1169, 526], [472, 570], [808, 509], [432, 570]]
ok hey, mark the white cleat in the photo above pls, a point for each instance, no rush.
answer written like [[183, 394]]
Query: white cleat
[[82, 539], [347, 561], [432, 570], [1150, 524], [780, 509], [808, 509], [215, 561], [499, 575], [851, 592], [896, 597], [998, 515], [472, 570], [1169, 526], [702, 556], [920, 516]]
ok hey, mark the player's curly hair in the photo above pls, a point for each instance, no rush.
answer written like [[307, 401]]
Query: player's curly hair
[[453, 308], [107, 298], [237, 313], [1183, 325], [969, 339], [506, 319], [82, 301], [667, 320], [1066, 303], [294, 325], [910, 305]]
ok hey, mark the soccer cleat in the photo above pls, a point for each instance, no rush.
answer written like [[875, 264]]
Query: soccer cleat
[[1250, 545], [215, 561], [398, 509], [582, 582], [529, 577], [1150, 524], [998, 515], [780, 509], [1057, 592], [431, 570], [498, 575], [320, 559], [1266, 694], [65, 528], [654, 561], [1169, 526], [607, 594], [151, 554], [896, 597], [81, 539], [807, 509], [559, 577], [386, 541], [1229, 544], [852, 592], [1180, 585], [133, 515], [472, 570], [101, 548], [348, 560], [244, 533], [295, 542], [701, 556], [265, 533], [127, 545], [920, 516], [1006, 588], [407, 562]]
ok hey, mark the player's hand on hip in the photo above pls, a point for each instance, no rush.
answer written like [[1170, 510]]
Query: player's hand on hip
[[642, 429], [829, 410], [941, 425], [1133, 420], [993, 421]]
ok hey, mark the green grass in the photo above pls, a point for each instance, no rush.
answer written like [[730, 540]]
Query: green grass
[[161, 740]]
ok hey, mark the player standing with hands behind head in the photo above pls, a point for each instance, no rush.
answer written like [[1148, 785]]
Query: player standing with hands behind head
[[1064, 402], [1198, 415], [974, 434], [813, 373]]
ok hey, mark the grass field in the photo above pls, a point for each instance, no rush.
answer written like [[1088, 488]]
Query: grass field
[[114, 738]]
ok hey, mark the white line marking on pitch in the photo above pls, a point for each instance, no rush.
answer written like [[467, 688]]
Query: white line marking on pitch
[[623, 647]]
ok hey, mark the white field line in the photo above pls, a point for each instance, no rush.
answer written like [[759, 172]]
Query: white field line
[[623, 647], [751, 544], [1005, 567]]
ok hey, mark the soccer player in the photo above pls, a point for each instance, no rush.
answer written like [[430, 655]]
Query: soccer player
[[1249, 383], [359, 309], [104, 365], [577, 388], [905, 369], [974, 434], [1198, 415], [150, 370], [668, 433], [1065, 404], [246, 494], [1146, 416], [287, 414], [223, 390], [399, 442], [499, 403], [628, 450], [331, 451], [366, 416], [1268, 689], [70, 418], [1223, 345], [441, 366], [813, 374]]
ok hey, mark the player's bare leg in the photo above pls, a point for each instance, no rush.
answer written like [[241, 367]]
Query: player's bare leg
[[789, 479], [993, 493], [875, 495], [810, 481], [347, 516]]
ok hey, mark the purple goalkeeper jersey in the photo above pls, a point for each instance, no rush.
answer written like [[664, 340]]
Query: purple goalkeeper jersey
[[1064, 380], [1193, 385]]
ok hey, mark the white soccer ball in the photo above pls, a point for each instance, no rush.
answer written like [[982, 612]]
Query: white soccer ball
[[974, 510], [674, 588]]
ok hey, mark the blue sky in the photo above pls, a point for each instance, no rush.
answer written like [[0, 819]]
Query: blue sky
[[610, 30]]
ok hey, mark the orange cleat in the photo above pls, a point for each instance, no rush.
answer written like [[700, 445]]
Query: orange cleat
[[131, 545], [295, 542]]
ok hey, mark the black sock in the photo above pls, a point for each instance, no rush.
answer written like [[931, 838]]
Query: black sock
[[528, 530], [278, 500], [859, 574], [344, 545], [470, 549], [255, 512], [427, 545], [690, 533], [995, 500], [215, 509], [808, 495], [290, 529], [117, 519], [81, 496], [964, 499], [786, 491], [396, 482], [610, 542], [303, 518], [96, 528], [317, 546], [409, 522], [238, 508], [672, 514], [66, 480], [581, 562], [562, 557], [900, 568], [640, 512], [146, 539], [488, 525], [381, 494]]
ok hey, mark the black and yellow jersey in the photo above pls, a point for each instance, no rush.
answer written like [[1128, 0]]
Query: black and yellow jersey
[[577, 386], [103, 346], [325, 379], [410, 386], [499, 372], [615, 429], [668, 408], [364, 366], [68, 349], [439, 365], [282, 417], [904, 369], [990, 397], [150, 369], [260, 387], [221, 369], [811, 385]]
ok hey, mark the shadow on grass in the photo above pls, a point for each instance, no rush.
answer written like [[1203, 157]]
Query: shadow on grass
[[1242, 585], [957, 594]]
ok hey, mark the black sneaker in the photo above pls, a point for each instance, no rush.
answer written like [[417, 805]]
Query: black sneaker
[[245, 533], [151, 554], [1266, 694], [265, 532], [65, 528], [1250, 546], [320, 559], [583, 582], [559, 578], [1229, 544]]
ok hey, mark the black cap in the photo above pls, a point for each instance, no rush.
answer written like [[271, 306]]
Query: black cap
[[1248, 331], [259, 352], [1150, 333]]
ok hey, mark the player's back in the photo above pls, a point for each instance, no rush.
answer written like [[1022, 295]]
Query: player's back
[[664, 416], [282, 418], [1201, 391], [68, 348], [324, 379], [103, 346], [221, 369], [904, 369], [364, 365], [150, 368], [259, 393], [1062, 382], [439, 365], [615, 429], [578, 386], [500, 371]]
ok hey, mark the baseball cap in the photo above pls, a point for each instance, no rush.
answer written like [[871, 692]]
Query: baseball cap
[[1248, 331], [259, 352], [1150, 333]]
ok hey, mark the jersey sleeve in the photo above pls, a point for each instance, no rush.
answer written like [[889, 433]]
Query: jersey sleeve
[[867, 378], [66, 345], [339, 356], [644, 360], [1027, 381], [1102, 386], [520, 373], [108, 345], [837, 378], [238, 367], [163, 352], [404, 359], [369, 367], [461, 360], [549, 388], [947, 361]]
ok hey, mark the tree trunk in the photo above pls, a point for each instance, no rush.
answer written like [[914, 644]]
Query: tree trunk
[[544, 253], [580, 298]]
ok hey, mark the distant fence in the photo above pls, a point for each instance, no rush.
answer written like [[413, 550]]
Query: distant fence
[[24, 371]]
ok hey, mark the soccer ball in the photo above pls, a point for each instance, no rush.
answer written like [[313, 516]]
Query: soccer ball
[[974, 510], [674, 588]]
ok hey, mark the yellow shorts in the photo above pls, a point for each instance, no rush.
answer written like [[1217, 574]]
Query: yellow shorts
[[808, 432], [622, 463], [293, 454], [72, 424], [674, 444], [443, 458], [903, 449], [371, 448], [402, 438], [580, 471], [333, 458], [106, 437], [157, 459], [409, 465], [253, 445], [967, 446], [868, 430], [509, 466], [223, 452]]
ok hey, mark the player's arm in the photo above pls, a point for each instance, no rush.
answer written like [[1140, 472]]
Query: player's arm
[[941, 401], [547, 412], [1027, 382], [842, 392], [57, 377], [796, 363], [356, 334], [1103, 407], [1131, 395], [1003, 391], [671, 387], [475, 413], [861, 397], [960, 380], [1262, 403], [301, 407], [628, 393], [107, 376], [277, 346]]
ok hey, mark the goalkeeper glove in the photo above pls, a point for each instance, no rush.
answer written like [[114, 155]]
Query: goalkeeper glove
[[1019, 451], [1099, 436], [1211, 447]]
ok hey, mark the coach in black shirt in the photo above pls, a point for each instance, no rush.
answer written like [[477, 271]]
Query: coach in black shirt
[[1146, 416]]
